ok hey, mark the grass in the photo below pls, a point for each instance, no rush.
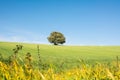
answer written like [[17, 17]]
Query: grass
[[68, 56], [59, 62], [16, 71]]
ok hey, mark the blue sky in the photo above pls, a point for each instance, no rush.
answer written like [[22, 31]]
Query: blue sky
[[83, 22]]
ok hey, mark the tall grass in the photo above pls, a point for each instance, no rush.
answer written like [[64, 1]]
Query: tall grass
[[17, 68], [16, 71], [23, 69]]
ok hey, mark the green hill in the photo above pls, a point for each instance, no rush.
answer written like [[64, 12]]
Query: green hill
[[66, 55]]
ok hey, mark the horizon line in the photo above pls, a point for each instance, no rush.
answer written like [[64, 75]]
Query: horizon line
[[60, 44]]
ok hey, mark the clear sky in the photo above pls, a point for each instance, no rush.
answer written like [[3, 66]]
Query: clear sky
[[83, 22]]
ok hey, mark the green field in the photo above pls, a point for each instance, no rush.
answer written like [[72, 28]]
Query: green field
[[68, 56]]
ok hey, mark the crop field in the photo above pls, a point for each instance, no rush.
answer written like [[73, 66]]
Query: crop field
[[59, 54], [59, 62]]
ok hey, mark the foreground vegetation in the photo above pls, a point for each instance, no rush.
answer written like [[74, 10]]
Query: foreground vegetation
[[44, 62], [16, 71]]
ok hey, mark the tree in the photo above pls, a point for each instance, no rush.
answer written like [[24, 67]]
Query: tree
[[56, 38]]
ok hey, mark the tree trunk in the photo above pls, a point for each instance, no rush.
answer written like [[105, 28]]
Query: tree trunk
[[55, 44]]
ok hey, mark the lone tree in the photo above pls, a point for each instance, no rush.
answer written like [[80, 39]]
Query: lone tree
[[56, 38]]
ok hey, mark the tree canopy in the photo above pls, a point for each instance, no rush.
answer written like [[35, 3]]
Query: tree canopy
[[56, 38]]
